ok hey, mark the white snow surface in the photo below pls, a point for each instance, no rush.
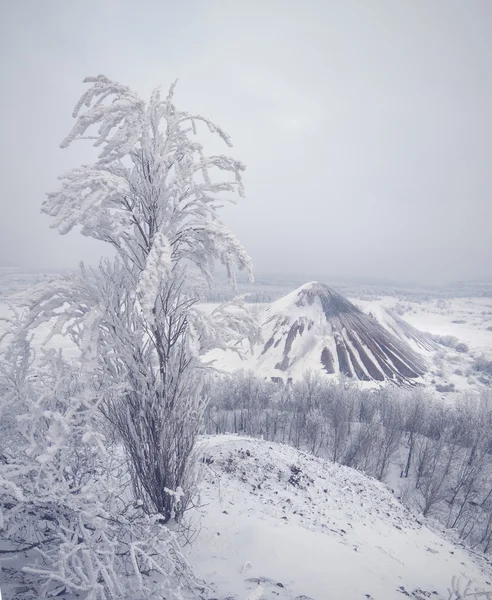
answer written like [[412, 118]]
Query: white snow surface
[[278, 523], [468, 319]]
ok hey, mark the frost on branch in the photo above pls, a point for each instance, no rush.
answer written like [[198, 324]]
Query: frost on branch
[[67, 523], [153, 194], [227, 327], [151, 179], [120, 121], [158, 265]]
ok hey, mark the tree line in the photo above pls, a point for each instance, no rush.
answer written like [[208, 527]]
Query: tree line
[[436, 456]]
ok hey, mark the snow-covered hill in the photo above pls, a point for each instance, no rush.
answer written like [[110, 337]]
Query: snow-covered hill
[[316, 328], [278, 523]]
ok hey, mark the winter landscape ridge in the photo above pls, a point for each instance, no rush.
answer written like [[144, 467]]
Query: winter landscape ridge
[[264, 506], [251, 358], [425, 324], [316, 328]]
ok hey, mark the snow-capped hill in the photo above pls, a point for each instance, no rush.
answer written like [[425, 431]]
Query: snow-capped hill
[[296, 526], [316, 327]]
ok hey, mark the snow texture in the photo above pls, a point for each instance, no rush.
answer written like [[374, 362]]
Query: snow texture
[[301, 527]]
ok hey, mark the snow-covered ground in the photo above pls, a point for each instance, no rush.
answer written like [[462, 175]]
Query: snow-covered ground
[[469, 320], [278, 523], [274, 522]]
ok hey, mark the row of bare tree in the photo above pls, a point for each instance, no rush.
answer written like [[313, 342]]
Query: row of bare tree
[[436, 456]]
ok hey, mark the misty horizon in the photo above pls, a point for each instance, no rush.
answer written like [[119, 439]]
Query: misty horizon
[[365, 129], [246, 370]]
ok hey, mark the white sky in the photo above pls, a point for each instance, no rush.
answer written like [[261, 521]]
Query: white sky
[[365, 126]]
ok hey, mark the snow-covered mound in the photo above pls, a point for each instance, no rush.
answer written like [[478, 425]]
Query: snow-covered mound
[[316, 327], [275, 522]]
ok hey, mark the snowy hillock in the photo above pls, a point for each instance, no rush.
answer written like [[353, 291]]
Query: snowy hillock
[[275, 522], [316, 328]]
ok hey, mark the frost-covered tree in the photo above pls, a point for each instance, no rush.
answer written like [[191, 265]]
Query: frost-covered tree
[[153, 195], [68, 526]]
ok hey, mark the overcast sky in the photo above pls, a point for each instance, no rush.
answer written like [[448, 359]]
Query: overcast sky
[[365, 126]]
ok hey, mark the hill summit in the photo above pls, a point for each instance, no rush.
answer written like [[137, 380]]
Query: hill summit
[[277, 523]]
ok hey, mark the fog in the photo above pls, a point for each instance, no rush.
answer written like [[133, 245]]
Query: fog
[[365, 126]]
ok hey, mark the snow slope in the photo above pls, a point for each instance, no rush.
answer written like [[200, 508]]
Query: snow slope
[[467, 320], [278, 523], [419, 340]]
